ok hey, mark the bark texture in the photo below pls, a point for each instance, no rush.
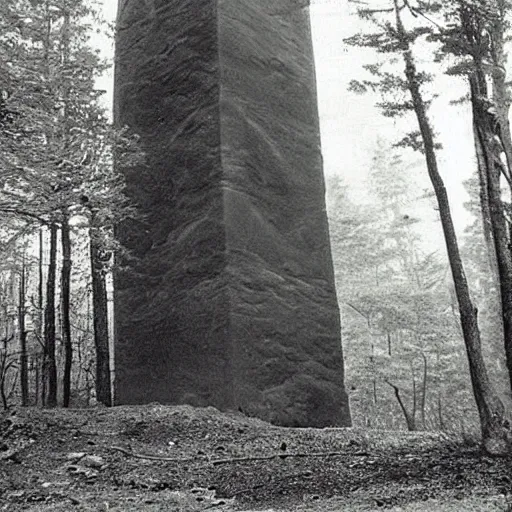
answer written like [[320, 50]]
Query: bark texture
[[492, 138], [65, 287], [50, 364], [231, 302], [23, 336], [100, 315], [495, 434], [491, 161]]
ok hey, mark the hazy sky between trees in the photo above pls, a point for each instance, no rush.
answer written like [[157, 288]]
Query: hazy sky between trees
[[351, 125]]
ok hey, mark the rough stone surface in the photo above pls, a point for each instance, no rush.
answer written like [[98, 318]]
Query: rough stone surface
[[230, 301]]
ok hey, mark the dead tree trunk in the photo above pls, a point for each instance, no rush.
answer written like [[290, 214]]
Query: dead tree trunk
[[409, 417]]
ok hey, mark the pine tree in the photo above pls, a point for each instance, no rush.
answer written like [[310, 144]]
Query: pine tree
[[398, 330], [395, 38], [59, 144]]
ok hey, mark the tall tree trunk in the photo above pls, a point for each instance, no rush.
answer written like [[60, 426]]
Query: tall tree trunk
[[488, 133], [50, 365], [23, 337], [501, 102], [500, 87], [485, 210], [65, 307], [491, 305], [100, 316], [40, 385], [501, 243], [495, 434], [37, 380]]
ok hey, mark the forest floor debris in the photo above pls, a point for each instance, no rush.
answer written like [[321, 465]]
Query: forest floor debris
[[184, 459]]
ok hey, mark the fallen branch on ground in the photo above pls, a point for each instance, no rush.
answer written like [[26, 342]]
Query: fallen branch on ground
[[148, 456], [286, 456], [232, 460]]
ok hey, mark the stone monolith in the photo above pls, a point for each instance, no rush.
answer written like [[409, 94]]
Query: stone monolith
[[228, 299]]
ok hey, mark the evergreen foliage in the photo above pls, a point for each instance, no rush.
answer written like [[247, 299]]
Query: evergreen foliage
[[60, 195], [472, 33]]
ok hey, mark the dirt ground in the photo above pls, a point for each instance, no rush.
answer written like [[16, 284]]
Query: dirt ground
[[160, 458]]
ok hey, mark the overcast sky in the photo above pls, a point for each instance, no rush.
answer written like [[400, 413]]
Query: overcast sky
[[350, 124]]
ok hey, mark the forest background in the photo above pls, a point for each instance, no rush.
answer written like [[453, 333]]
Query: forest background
[[406, 361]]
